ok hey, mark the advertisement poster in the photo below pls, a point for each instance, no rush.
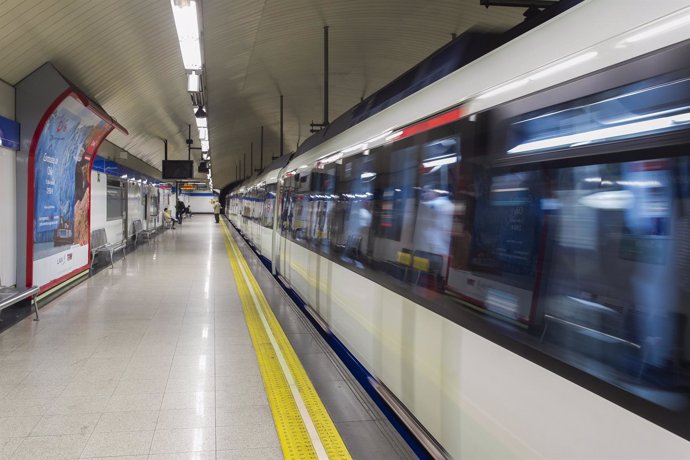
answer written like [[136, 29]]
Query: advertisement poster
[[62, 171]]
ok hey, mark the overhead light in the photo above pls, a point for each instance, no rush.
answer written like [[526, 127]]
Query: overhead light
[[200, 113], [187, 25], [205, 146], [193, 82], [205, 156], [203, 134], [201, 122]]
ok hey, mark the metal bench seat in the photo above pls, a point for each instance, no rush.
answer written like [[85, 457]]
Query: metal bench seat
[[10, 296], [99, 243]]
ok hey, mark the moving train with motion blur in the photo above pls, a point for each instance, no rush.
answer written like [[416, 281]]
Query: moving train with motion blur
[[507, 250]]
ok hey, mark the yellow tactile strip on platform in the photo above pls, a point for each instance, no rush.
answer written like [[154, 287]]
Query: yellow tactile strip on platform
[[304, 427]]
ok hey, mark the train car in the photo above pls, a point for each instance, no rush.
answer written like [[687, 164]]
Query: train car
[[506, 250]]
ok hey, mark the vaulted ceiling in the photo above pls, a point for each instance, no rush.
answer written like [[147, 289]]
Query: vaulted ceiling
[[125, 55]]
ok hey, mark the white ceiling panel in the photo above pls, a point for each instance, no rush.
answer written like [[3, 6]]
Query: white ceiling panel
[[125, 55]]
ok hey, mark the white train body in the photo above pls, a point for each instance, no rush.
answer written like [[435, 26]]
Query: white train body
[[477, 398]]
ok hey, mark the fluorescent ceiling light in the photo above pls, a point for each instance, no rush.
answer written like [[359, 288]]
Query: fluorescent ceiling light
[[201, 122], [367, 175], [613, 132], [205, 146], [187, 25], [439, 162], [203, 134], [193, 82]]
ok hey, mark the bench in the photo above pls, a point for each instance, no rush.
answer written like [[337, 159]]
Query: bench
[[99, 243], [138, 228], [151, 231], [11, 295]]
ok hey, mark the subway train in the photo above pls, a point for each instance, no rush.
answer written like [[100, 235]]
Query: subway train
[[507, 251]]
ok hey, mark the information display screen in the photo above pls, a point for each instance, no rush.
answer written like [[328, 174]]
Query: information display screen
[[178, 169]]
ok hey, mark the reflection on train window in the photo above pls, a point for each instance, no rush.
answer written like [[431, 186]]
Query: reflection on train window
[[617, 275], [269, 202], [589, 263], [652, 106], [393, 217], [434, 222], [353, 211], [499, 269]]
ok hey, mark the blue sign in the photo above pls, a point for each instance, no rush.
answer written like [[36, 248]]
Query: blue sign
[[9, 133]]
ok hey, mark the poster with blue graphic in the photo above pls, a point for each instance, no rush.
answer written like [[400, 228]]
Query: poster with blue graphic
[[62, 170]]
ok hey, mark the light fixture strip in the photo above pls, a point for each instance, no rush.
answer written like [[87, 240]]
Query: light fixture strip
[[187, 25]]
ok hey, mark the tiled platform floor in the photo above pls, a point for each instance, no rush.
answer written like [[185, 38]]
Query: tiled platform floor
[[150, 360]]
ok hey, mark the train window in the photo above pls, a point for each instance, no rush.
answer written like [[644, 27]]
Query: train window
[[617, 272], [652, 106], [115, 199], [352, 214], [269, 200], [495, 241], [390, 240]]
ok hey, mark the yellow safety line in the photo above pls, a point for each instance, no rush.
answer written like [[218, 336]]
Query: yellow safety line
[[304, 427]]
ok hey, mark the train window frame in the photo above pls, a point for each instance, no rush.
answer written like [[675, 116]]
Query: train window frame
[[672, 60]]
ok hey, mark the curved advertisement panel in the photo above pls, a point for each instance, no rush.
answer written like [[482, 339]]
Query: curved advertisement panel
[[62, 151]]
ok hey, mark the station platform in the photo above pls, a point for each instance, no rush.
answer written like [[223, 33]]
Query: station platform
[[186, 349]]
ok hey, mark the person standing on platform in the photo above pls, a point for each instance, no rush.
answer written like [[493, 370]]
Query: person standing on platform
[[180, 209], [216, 210]]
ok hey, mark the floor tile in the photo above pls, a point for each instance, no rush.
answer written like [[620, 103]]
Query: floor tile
[[184, 440], [266, 453], [78, 405], [188, 400], [16, 427], [8, 446], [184, 456], [247, 415], [135, 402], [200, 417], [66, 424], [21, 407], [118, 443], [127, 421], [141, 386], [240, 436], [51, 447]]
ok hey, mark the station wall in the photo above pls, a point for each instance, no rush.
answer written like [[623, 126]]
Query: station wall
[[8, 196], [199, 202]]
